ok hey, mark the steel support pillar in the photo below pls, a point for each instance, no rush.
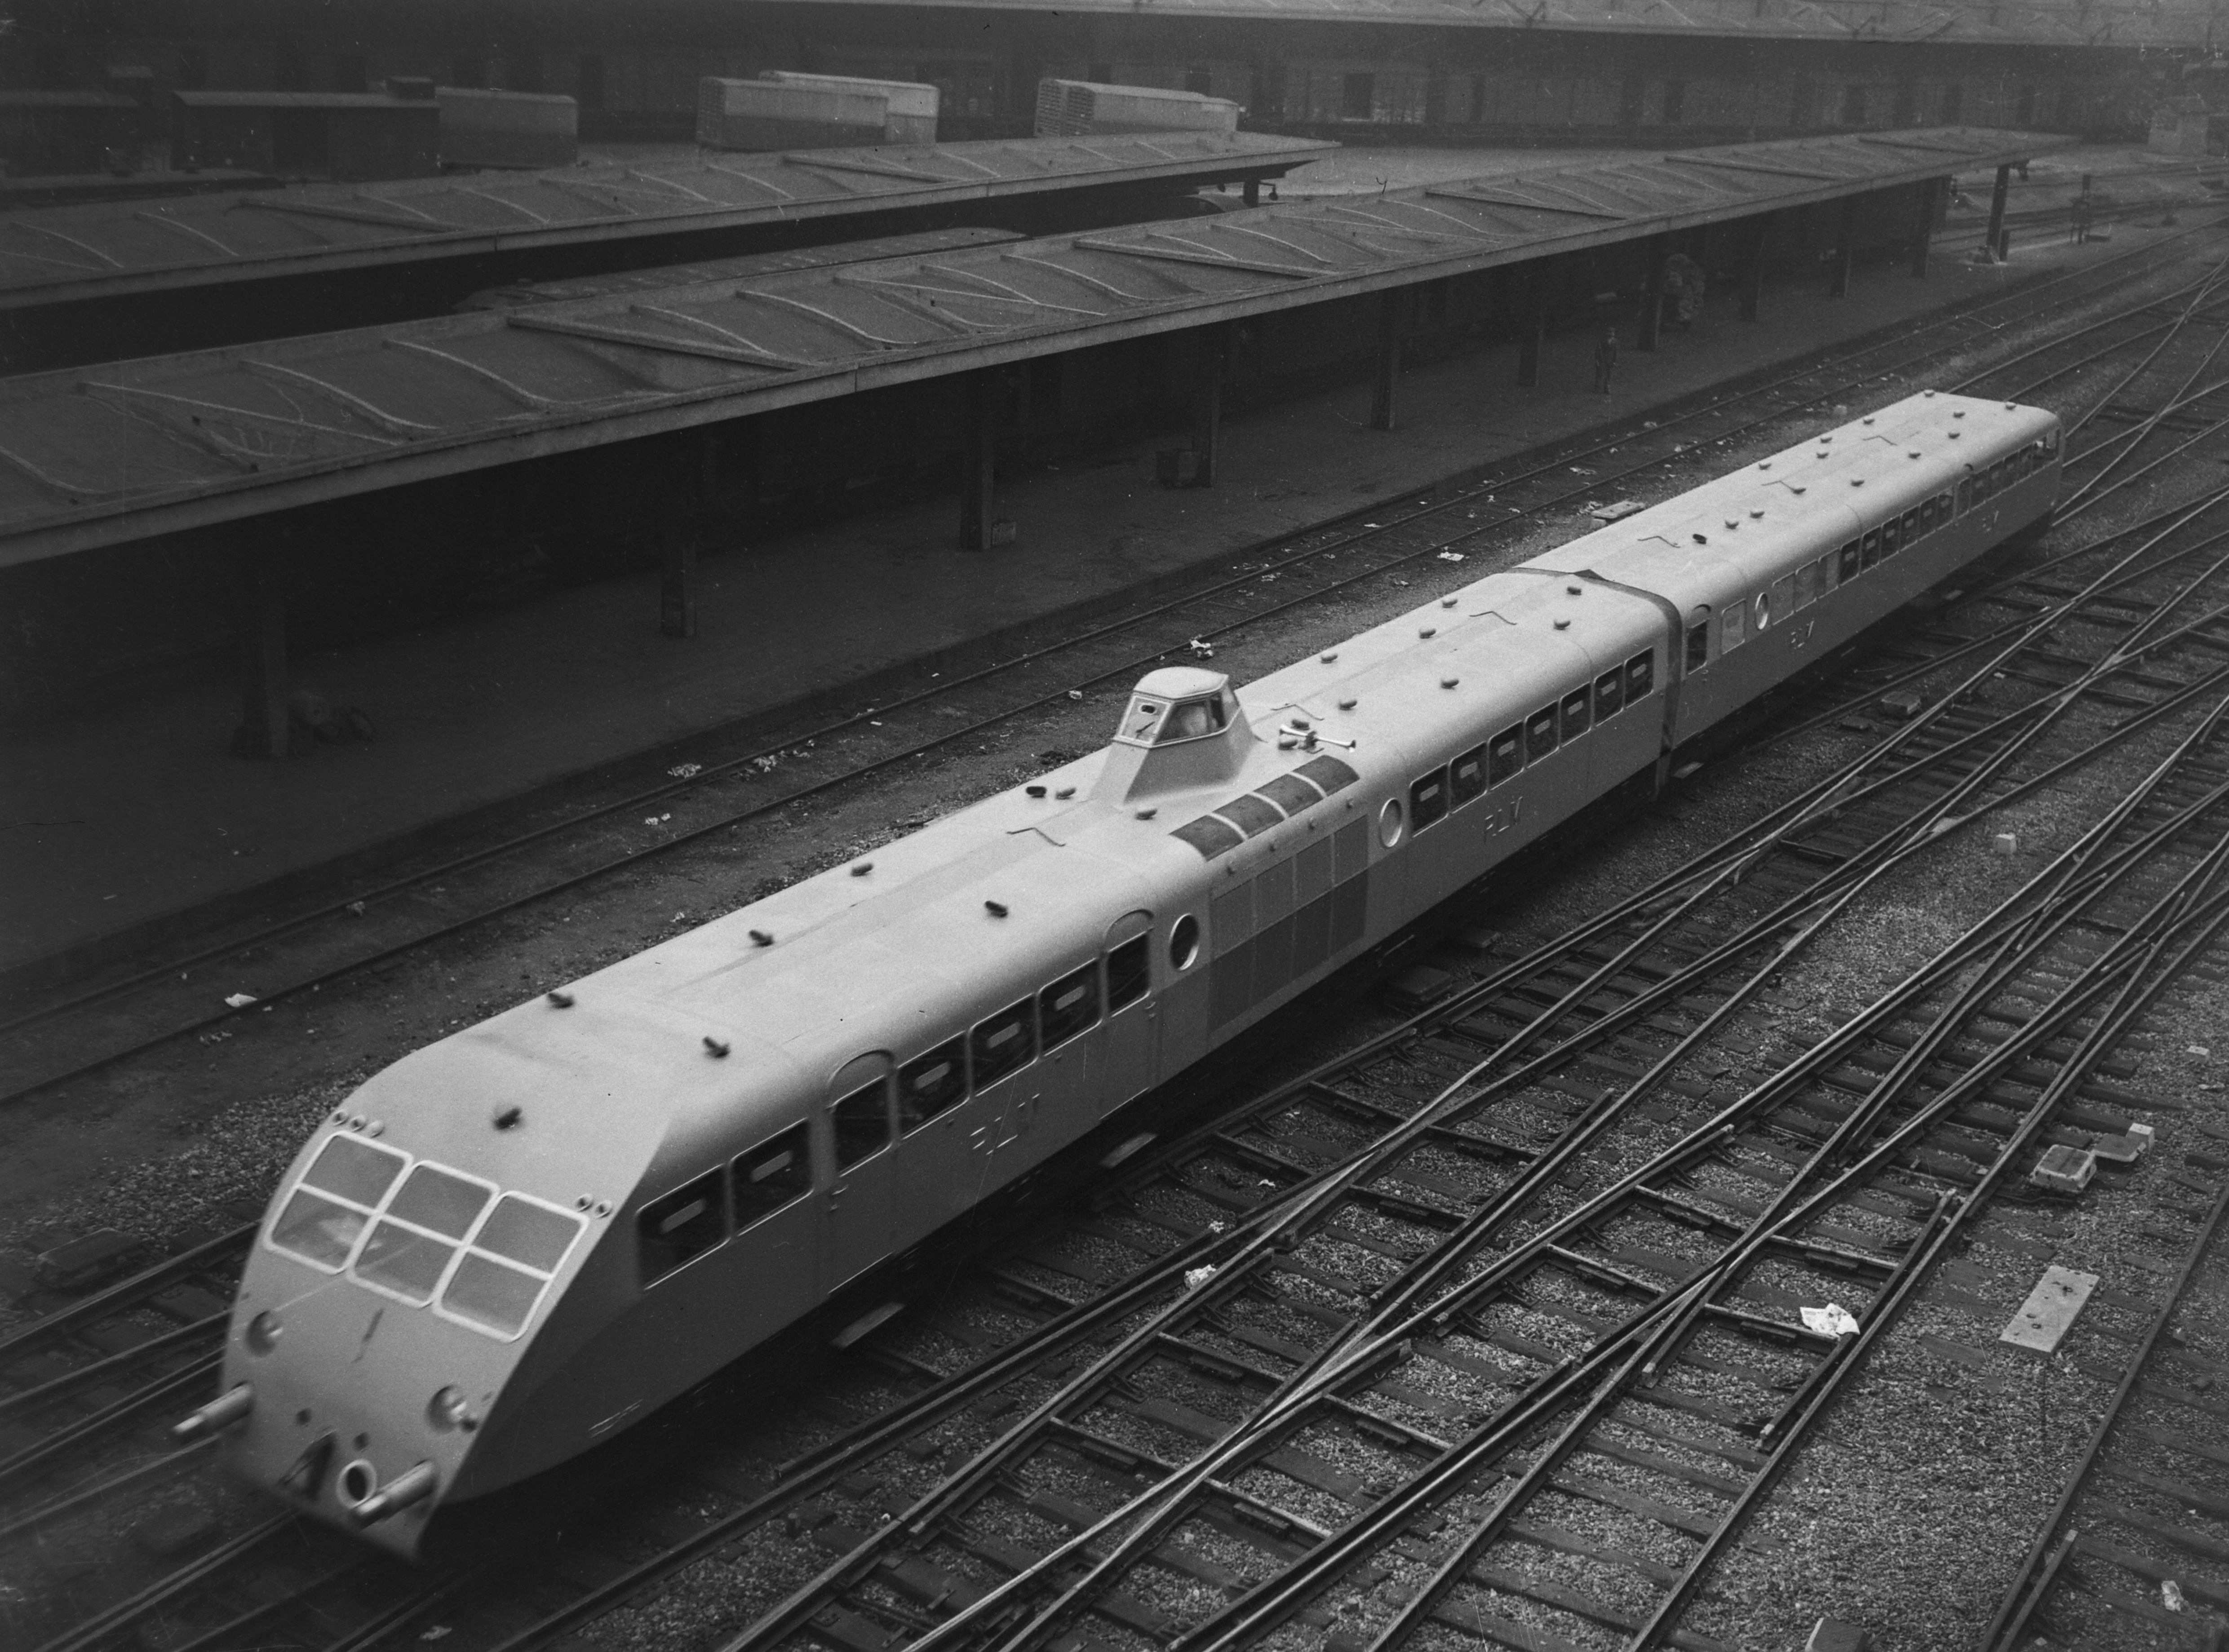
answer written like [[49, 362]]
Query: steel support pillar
[[1752, 274], [977, 459], [1923, 233], [2000, 238], [264, 719], [1383, 396], [1536, 326], [1845, 238], [1652, 294], [1207, 404]]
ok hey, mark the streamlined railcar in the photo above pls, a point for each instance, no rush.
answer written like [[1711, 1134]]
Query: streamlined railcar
[[519, 1241]]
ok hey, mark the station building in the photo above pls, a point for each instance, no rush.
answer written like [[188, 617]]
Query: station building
[[1548, 72]]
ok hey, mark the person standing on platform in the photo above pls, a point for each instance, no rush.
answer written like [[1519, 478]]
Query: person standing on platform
[[1605, 361]]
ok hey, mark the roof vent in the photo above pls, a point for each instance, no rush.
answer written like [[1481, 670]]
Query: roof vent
[[716, 1048], [560, 1000], [996, 908]]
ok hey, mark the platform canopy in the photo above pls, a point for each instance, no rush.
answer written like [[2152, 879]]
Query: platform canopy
[[67, 255], [92, 457]]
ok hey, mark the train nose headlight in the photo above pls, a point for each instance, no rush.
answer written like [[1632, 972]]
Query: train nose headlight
[[263, 1332], [448, 1410]]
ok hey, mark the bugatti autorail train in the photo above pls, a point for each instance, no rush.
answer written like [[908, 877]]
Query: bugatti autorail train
[[513, 1245]]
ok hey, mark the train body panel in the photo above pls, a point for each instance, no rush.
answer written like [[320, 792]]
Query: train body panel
[[535, 1232]]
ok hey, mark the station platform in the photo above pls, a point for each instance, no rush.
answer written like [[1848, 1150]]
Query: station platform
[[132, 820]]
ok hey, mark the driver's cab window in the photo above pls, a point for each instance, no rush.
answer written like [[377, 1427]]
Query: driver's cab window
[[1152, 721]]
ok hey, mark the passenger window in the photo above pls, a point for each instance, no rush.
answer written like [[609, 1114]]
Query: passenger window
[[1847, 563], [1504, 754], [1428, 801], [1871, 552], [1942, 507], [1004, 1044], [1965, 493], [1910, 527], [1640, 677], [772, 1175], [1698, 645], [1129, 973], [1807, 585], [1576, 706], [933, 1083], [1539, 734], [1069, 1005], [1730, 635], [2050, 443], [1609, 687], [863, 1123], [679, 1227], [1466, 777], [1891, 534]]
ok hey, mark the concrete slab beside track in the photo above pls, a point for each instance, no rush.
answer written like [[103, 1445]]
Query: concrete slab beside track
[[128, 812]]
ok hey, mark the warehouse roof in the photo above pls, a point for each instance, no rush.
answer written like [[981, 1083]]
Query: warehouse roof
[[126, 451], [2052, 22], [65, 254]]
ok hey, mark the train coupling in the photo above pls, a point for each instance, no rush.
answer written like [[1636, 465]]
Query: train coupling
[[412, 1486], [231, 1406]]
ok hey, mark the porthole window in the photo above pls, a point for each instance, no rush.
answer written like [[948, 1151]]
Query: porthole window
[[1760, 610], [1184, 941], [1390, 822]]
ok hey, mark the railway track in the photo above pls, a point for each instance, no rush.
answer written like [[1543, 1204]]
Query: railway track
[[2128, 1556], [61, 1038], [1890, 799], [1037, 1310]]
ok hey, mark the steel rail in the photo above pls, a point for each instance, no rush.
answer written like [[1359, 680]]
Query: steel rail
[[1385, 1518], [761, 1642], [2031, 1584]]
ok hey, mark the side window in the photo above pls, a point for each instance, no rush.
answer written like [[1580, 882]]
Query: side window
[[1003, 1043], [1609, 687], [1466, 777], [1892, 533], [863, 1123], [1129, 973], [1539, 734], [772, 1175], [1578, 705], [1731, 634], [1069, 1005], [1640, 677], [1872, 553], [1909, 528], [933, 1083], [2050, 443], [1504, 754], [1965, 493], [679, 1226], [1698, 645], [1428, 799], [1807, 585], [1943, 507], [1847, 563]]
